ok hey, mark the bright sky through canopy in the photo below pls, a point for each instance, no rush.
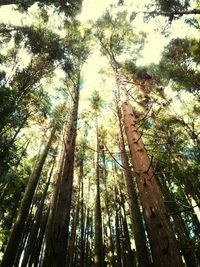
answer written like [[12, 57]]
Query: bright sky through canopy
[[92, 10]]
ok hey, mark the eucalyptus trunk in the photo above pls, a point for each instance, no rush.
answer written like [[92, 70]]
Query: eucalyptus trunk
[[18, 228]]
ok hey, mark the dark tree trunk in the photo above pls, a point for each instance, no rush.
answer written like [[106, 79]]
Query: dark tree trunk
[[57, 235], [118, 232], [99, 258], [181, 230], [15, 237], [35, 258], [37, 223]]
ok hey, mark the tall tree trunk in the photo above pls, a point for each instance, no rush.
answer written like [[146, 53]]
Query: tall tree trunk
[[37, 223], [130, 256], [136, 216], [117, 227], [83, 226], [99, 258], [58, 235], [181, 230], [75, 219], [164, 246], [49, 228], [36, 256], [110, 236], [18, 227]]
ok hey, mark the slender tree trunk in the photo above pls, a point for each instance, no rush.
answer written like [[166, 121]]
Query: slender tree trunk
[[136, 216], [164, 246], [87, 241], [130, 256], [117, 227], [52, 211], [99, 258], [58, 236], [24, 237], [75, 220], [36, 256], [18, 227], [110, 236], [37, 222], [182, 233], [83, 224]]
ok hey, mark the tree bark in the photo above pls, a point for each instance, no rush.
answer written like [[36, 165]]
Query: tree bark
[[180, 228], [15, 237], [129, 255], [164, 246], [99, 258], [106, 196], [58, 234], [136, 216], [75, 221], [117, 227], [37, 223]]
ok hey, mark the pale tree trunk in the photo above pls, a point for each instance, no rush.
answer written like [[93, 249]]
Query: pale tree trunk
[[18, 228], [118, 229], [129, 260], [106, 196], [57, 235], [75, 220]]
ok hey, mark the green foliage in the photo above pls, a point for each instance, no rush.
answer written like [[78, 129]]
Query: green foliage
[[96, 101], [69, 7], [171, 6], [115, 34], [180, 63]]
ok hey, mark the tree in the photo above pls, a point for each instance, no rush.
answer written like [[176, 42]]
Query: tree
[[163, 242], [15, 237], [70, 8], [99, 253]]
